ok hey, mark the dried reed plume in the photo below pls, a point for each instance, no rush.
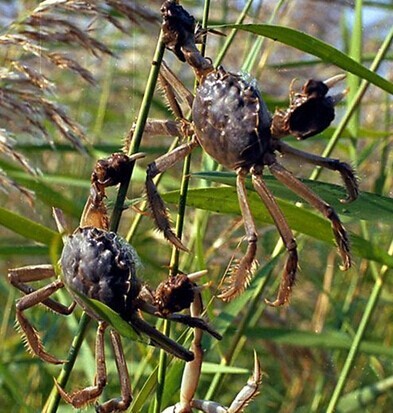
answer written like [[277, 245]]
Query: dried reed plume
[[51, 36]]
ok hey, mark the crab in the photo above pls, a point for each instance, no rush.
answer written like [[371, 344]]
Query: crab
[[231, 122], [191, 376], [98, 264]]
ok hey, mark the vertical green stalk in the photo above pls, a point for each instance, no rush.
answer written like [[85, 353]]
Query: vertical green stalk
[[174, 263], [355, 51], [162, 364], [54, 397], [229, 39], [249, 64], [138, 131], [353, 351], [384, 170]]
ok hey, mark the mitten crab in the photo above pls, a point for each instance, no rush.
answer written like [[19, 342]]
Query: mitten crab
[[231, 122], [98, 264]]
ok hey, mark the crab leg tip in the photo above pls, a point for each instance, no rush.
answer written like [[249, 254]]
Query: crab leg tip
[[257, 373], [276, 303], [177, 243]]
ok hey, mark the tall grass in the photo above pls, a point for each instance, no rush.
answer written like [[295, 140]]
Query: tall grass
[[330, 349]]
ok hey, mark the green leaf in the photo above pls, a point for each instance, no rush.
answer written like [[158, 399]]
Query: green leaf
[[309, 44], [28, 228], [224, 200], [23, 250], [111, 317], [145, 392], [213, 368], [367, 206], [357, 400], [326, 339], [43, 191]]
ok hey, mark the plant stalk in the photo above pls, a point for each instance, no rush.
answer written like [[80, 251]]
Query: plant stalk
[[138, 131], [353, 351], [54, 397]]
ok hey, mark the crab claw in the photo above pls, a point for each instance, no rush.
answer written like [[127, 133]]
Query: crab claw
[[246, 395], [331, 82], [310, 112], [178, 34]]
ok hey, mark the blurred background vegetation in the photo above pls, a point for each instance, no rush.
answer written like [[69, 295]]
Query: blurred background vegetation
[[71, 83]]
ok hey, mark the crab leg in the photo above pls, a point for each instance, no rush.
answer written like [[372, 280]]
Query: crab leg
[[288, 278], [87, 395], [155, 201], [246, 395], [243, 272], [19, 276], [160, 340], [30, 300], [346, 171], [192, 369], [126, 396], [340, 234], [174, 89], [189, 321]]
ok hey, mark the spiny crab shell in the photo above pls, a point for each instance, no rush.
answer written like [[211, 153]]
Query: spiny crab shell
[[231, 119], [101, 265]]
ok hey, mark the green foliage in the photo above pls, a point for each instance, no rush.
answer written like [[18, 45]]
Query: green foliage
[[330, 350]]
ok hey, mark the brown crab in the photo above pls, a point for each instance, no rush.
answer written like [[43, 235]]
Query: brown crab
[[98, 264], [232, 124]]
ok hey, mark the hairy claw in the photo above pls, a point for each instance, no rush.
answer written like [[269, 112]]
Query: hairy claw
[[287, 281], [160, 214], [240, 275]]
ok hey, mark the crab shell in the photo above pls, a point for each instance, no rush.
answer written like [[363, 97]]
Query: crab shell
[[102, 266], [232, 122]]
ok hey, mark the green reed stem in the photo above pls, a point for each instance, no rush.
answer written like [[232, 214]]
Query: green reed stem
[[54, 397], [379, 277], [162, 365], [232, 34], [174, 262], [138, 131], [372, 302]]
